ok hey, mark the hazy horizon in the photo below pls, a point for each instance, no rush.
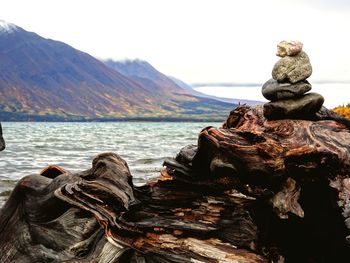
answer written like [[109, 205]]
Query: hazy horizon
[[332, 99]]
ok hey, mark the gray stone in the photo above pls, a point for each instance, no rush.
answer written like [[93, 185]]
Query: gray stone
[[289, 48], [292, 69], [274, 90], [302, 107]]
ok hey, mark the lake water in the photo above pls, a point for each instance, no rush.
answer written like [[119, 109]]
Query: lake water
[[31, 146]]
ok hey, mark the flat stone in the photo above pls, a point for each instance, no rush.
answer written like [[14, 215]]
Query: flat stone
[[274, 90], [300, 108], [292, 69], [289, 48]]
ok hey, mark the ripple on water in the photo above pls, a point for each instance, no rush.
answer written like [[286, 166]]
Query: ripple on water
[[144, 145]]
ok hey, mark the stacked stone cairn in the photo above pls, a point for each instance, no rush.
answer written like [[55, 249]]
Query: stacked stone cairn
[[287, 90]]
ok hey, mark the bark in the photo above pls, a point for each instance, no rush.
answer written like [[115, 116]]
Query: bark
[[2, 141], [251, 191]]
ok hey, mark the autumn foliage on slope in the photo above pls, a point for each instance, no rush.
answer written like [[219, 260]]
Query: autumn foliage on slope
[[343, 111]]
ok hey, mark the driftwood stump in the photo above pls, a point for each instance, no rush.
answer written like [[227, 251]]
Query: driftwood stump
[[251, 191]]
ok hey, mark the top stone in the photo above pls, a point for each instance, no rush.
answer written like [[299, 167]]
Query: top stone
[[289, 48]]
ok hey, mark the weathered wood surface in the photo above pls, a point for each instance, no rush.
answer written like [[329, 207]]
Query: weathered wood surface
[[2, 141], [252, 191]]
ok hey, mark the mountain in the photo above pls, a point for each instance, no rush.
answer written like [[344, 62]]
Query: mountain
[[185, 86], [44, 79], [145, 72]]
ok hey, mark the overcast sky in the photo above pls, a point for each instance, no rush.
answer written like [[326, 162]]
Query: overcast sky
[[196, 40]]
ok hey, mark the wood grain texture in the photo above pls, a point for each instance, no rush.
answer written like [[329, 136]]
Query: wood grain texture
[[252, 190]]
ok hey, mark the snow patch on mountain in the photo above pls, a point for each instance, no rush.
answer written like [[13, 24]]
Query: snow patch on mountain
[[6, 27]]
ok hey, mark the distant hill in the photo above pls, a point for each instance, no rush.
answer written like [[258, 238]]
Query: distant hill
[[194, 92], [145, 72], [43, 79]]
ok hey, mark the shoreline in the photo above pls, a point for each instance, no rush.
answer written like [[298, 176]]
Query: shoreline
[[126, 119]]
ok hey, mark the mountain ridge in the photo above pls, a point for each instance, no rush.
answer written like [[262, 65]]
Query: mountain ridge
[[44, 79], [142, 70]]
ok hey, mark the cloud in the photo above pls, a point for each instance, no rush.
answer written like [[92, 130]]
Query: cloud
[[329, 5], [197, 41]]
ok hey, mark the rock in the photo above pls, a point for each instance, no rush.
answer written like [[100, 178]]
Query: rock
[[274, 90], [289, 48], [302, 107], [292, 69]]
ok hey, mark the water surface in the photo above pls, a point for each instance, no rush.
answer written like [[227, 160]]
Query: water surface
[[31, 146]]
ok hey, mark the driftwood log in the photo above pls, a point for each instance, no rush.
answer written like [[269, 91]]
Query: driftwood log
[[2, 141], [251, 191]]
